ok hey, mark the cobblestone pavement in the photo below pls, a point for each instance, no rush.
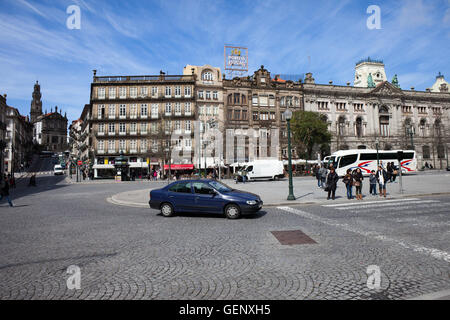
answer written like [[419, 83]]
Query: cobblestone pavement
[[134, 253]]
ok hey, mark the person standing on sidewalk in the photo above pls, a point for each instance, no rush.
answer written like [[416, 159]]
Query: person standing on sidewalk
[[323, 175], [382, 177], [390, 171], [4, 190], [358, 177], [332, 180], [373, 183], [348, 181], [317, 175]]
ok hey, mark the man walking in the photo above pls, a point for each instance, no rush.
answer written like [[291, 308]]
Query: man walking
[[323, 175], [4, 191], [317, 175]]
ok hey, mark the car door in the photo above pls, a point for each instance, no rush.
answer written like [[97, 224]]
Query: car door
[[181, 196], [207, 199]]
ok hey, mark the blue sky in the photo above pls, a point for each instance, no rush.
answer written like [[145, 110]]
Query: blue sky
[[143, 37]]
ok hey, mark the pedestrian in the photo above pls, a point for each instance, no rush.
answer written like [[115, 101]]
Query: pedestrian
[[11, 181], [4, 190], [426, 165], [32, 180], [390, 171], [323, 175], [317, 175], [373, 183], [348, 181], [382, 177], [332, 180], [244, 176], [394, 171], [358, 177], [155, 175], [431, 166]]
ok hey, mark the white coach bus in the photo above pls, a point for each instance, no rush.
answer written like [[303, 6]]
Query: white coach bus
[[366, 160]]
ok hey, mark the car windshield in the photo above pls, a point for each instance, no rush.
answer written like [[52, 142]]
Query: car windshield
[[219, 186]]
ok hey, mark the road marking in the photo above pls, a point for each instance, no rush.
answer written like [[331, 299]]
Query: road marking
[[363, 206], [369, 202], [435, 253]]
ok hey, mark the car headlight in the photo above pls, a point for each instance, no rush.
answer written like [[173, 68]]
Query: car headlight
[[251, 202]]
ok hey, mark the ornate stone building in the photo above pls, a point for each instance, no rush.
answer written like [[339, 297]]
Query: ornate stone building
[[258, 102], [49, 129], [399, 119], [2, 132]]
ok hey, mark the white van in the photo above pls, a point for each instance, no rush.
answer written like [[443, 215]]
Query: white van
[[264, 169], [57, 169]]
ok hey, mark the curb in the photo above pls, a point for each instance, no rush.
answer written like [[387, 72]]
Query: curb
[[113, 200]]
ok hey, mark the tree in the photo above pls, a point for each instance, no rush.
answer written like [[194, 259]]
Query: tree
[[309, 129]]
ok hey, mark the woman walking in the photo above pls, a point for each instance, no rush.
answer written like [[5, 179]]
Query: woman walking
[[348, 181], [382, 177], [332, 180], [358, 177]]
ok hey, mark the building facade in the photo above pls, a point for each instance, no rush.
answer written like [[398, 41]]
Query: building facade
[[359, 116], [2, 132], [49, 129], [136, 115]]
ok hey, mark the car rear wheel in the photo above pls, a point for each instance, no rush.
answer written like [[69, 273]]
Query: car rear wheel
[[232, 211], [167, 210]]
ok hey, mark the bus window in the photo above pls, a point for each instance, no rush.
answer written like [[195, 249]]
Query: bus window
[[347, 160], [368, 156]]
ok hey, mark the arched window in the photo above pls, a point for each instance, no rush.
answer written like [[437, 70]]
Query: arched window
[[384, 121], [440, 151], [283, 101], [244, 99], [207, 75], [296, 102], [359, 127], [230, 99], [437, 128], [341, 126], [422, 127]]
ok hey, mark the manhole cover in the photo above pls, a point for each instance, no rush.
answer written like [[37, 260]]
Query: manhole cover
[[292, 237]]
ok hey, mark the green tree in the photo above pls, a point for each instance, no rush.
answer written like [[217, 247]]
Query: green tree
[[308, 130]]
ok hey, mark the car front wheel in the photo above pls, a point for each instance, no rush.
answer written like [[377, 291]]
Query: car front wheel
[[167, 210], [232, 211]]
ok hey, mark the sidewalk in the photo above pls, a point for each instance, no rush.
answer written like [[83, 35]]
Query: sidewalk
[[274, 193]]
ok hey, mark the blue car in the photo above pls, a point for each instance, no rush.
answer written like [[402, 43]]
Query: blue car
[[204, 195]]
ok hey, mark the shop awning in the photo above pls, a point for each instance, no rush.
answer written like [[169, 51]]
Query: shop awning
[[179, 167]]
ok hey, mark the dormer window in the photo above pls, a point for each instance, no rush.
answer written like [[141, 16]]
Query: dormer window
[[207, 76]]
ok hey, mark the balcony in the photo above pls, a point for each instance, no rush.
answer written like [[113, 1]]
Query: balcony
[[149, 78], [111, 151], [154, 116], [122, 133], [112, 133]]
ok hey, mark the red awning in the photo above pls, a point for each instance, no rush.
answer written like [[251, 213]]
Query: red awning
[[179, 167]]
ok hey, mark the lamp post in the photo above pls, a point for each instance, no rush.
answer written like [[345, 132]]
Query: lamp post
[[288, 116]]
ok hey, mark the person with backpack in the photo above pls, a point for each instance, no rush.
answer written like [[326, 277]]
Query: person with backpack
[[4, 190], [332, 180], [348, 181], [358, 177]]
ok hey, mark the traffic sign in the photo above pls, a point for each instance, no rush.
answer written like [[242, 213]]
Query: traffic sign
[[80, 162]]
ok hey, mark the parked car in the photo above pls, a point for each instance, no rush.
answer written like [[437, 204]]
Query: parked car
[[264, 169], [204, 195], [57, 169]]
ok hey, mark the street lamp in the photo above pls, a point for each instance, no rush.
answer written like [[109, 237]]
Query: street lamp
[[288, 116]]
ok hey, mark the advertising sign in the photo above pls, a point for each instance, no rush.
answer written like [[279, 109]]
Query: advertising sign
[[236, 58]]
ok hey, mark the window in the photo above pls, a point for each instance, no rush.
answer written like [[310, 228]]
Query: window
[[187, 92], [426, 152], [384, 122], [101, 111], [101, 127], [188, 126], [187, 108], [143, 127], [168, 110], [101, 145], [122, 145], [422, 127], [154, 91], [283, 102], [255, 100], [230, 114], [133, 145], [122, 128], [340, 106], [322, 105], [202, 188], [263, 100], [208, 95], [133, 92], [177, 108], [187, 143], [244, 114], [200, 94], [122, 92], [271, 100], [177, 126], [122, 111], [112, 93], [154, 111], [143, 145], [208, 110], [243, 99], [368, 156], [359, 127], [215, 95], [111, 128], [133, 127], [230, 99], [255, 115], [168, 92], [236, 98], [341, 126], [144, 110], [133, 111], [154, 127], [101, 93], [177, 91], [263, 116], [200, 110], [207, 76], [182, 187], [143, 91], [237, 114], [272, 116], [111, 145], [347, 160], [215, 110], [112, 111]]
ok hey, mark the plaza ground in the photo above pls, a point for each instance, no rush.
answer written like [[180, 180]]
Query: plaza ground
[[131, 252]]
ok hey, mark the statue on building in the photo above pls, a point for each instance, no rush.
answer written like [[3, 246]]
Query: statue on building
[[395, 81], [370, 83]]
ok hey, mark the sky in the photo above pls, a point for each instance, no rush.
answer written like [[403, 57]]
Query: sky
[[139, 37]]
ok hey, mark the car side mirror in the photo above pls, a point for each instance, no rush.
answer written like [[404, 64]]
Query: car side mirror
[[213, 192]]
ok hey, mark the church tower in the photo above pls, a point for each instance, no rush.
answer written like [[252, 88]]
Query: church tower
[[367, 69], [36, 103]]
